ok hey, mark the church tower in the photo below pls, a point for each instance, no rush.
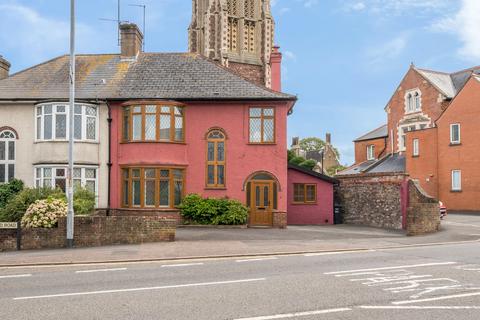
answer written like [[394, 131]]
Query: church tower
[[237, 34]]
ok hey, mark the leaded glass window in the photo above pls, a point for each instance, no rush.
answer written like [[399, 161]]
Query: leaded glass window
[[262, 125], [7, 155], [216, 159]]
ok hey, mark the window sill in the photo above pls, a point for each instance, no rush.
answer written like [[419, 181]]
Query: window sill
[[66, 141], [262, 143], [215, 188], [416, 156], [455, 144], [456, 191], [153, 141], [304, 203]]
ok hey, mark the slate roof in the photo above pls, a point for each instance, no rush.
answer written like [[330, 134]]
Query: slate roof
[[380, 132], [175, 76], [448, 83], [313, 173], [355, 169], [389, 164]]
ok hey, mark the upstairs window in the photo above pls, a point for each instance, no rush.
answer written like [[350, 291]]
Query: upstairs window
[[262, 125], [413, 101], [7, 155], [456, 180], [416, 147], [216, 159], [371, 152], [52, 122], [162, 123], [455, 133]]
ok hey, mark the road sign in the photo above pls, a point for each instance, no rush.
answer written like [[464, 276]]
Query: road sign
[[8, 225]]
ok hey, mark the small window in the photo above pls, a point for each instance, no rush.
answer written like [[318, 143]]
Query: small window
[[371, 152], [413, 101], [304, 193], [456, 180], [416, 148], [262, 125], [455, 133]]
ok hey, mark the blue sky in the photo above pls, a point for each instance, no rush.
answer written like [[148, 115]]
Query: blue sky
[[343, 58]]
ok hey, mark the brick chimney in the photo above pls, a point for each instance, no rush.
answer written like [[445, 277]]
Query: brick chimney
[[276, 67], [131, 40], [328, 138], [4, 68]]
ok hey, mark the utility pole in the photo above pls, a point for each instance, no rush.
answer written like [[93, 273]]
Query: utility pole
[[70, 213]]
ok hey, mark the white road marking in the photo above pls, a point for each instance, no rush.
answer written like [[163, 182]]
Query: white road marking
[[453, 296], [393, 268], [86, 293], [257, 259], [296, 314], [462, 224], [16, 276], [336, 252], [421, 307], [182, 265], [100, 270]]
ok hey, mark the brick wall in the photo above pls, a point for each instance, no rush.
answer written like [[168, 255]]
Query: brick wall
[[254, 73], [361, 149], [372, 199], [164, 213], [95, 231], [423, 167], [423, 214]]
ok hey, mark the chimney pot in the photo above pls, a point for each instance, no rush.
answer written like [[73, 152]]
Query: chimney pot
[[131, 40], [4, 68]]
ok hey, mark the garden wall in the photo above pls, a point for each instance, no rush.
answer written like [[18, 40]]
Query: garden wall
[[390, 201], [94, 231]]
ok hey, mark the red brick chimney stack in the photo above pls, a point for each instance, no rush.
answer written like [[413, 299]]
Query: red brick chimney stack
[[276, 67], [4, 68], [132, 40]]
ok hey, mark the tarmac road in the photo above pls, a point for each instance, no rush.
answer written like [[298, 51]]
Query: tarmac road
[[433, 282]]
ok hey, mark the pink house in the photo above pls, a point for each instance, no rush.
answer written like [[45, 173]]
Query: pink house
[[183, 124], [310, 197]]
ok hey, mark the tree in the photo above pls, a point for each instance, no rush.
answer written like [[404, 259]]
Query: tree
[[315, 144], [297, 160], [309, 164], [333, 170]]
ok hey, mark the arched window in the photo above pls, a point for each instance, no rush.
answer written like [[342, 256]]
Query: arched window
[[7, 155], [417, 101], [216, 159], [409, 102]]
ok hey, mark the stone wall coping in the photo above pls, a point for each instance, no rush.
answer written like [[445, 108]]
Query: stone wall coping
[[372, 175]]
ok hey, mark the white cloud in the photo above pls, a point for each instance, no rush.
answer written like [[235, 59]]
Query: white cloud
[[466, 25], [290, 55], [397, 7], [34, 38], [390, 50]]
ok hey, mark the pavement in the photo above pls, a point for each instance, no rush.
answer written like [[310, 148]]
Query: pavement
[[192, 243], [440, 282]]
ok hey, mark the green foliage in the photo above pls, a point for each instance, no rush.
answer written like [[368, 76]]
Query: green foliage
[[290, 155], [211, 211], [308, 164], [315, 144], [83, 202], [9, 190], [44, 213], [18, 205], [297, 160], [333, 170]]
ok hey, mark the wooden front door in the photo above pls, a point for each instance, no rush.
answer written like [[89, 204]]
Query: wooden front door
[[261, 205]]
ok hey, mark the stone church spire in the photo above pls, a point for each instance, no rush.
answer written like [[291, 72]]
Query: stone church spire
[[236, 33]]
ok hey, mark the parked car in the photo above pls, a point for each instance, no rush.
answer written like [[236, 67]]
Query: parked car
[[443, 210]]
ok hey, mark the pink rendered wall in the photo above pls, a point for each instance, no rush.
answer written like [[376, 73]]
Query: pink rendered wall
[[310, 213], [242, 159]]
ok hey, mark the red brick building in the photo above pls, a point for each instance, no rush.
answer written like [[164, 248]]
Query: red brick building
[[430, 134]]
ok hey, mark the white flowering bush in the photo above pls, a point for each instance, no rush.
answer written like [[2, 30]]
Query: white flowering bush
[[44, 213]]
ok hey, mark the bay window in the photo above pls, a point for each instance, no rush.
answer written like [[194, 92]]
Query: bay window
[[52, 122], [152, 187], [153, 122], [56, 177]]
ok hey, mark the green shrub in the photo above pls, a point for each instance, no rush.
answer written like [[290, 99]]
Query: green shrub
[[297, 160], [196, 209], [44, 213], [83, 202], [9, 190], [18, 205], [308, 164]]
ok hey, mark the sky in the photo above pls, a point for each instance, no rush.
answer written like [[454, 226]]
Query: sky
[[343, 58]]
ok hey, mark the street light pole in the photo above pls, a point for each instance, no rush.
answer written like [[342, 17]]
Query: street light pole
[[70, 213]]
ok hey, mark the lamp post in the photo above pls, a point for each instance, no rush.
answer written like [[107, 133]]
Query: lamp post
[[70, 213]]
